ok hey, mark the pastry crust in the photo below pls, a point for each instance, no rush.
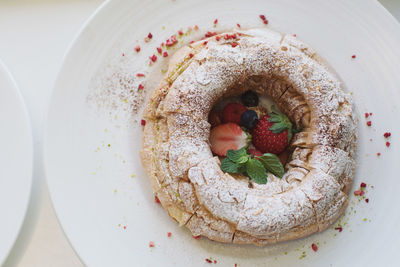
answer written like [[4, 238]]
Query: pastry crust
[[187, 178]]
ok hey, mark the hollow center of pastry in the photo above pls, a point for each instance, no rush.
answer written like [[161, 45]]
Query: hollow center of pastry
[[252, 127]]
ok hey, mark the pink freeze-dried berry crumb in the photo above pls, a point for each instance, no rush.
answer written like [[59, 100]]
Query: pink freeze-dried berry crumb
[[340, 229], [314, 247], [153, 58]]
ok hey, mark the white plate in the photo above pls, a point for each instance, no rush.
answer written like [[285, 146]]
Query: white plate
[[16, 155], [91, 152]]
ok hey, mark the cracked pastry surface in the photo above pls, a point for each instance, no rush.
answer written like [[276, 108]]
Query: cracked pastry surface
[[188, 180]]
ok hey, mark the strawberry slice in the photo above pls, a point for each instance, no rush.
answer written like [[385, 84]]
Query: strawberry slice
[[232, 112], [227, 136]]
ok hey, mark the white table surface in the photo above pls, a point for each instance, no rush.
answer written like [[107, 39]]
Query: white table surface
[[35, 35]]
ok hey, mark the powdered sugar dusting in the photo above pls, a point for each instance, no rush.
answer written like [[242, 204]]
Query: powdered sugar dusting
[[313, 191]]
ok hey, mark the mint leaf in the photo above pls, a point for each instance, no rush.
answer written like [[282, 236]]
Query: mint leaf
[[228, 165], [237, 156], [256, 171], [281, 123], [272, 163]]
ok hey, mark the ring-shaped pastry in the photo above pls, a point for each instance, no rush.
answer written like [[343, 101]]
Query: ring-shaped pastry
[[187, 178]]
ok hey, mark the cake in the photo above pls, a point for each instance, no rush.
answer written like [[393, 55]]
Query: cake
[[186, 176]]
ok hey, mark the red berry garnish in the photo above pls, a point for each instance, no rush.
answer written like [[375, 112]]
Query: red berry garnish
[[232, 112], [272, 137], [227, 136], [153, 58], [340, 229], [314, 247], [255, 152], [358, 193]]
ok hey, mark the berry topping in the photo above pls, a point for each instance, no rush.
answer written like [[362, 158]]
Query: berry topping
[[249, 119], [250, 99], [283, 157], [227, 136], [272, 133], [232, 112], [255, 152]]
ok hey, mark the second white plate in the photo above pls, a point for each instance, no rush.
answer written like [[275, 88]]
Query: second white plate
[[16, 158]]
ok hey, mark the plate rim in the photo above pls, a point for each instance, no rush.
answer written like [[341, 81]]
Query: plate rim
[[101, 10], [28, 124]]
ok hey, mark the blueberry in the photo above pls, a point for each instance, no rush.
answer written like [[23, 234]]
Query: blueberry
[[249, 119], [250, 99]]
